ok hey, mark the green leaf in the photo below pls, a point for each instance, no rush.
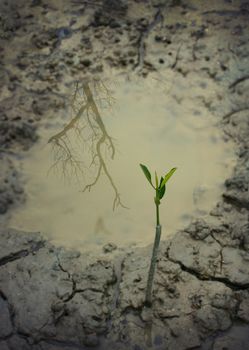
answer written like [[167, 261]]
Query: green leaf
[[161, 191], [168, 176], [146, 173], [156, 178]]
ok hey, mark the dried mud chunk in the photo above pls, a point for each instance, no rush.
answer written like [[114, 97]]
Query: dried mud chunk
[[5, 322], [199, 229], [210, 320], [109, 247], [9, 23], [240, 235], [200, 256], [239, 200], [43, 40], [243, 312], [10, 190], [3, 345], [13, 242], [237, 338], [18, 343], [184, 333], [91, 340], [17, 134], [238, 182]]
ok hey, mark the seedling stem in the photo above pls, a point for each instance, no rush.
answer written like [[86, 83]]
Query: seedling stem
[[160, 192]]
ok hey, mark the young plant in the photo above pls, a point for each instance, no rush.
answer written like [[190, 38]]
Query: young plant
[[160, 188]]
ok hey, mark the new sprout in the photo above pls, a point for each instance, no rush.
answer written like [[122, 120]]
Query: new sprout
[[160, 188]]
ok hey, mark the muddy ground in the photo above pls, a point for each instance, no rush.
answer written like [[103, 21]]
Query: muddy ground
[[51, 298]]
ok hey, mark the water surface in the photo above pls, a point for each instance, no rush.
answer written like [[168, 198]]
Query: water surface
[[102, 139]]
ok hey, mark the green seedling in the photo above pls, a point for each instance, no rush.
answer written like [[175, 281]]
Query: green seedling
[[160, 188]]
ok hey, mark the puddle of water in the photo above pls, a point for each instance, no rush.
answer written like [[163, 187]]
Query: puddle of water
[[146, 126]]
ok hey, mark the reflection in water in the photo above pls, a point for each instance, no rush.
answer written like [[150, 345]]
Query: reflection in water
[[100, 227], [87, 126], [150, 128]]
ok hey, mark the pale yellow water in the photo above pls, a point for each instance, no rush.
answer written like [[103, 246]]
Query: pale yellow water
[[149, 125]]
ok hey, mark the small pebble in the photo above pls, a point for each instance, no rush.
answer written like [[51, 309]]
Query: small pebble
[[109, 247], [63, 33]]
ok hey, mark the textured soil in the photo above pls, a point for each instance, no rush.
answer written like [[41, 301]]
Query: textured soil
[[52, 298]]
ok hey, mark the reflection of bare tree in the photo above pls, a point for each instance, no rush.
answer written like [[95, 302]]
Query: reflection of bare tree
[[88, 128]]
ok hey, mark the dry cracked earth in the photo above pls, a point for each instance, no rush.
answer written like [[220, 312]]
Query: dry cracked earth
[[52, 298]]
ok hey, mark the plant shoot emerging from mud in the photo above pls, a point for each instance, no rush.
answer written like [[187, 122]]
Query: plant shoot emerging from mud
[[160, 188]]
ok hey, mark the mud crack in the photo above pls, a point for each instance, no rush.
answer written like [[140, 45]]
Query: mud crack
[[202, 277], [205, 277], [118, 272], [21, 253], [236, 202], [11, 316], [221, 252], [238, 81], [227, 116], [75, 290], [177, 57]]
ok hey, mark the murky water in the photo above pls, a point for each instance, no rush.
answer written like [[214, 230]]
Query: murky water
[[100, 142]]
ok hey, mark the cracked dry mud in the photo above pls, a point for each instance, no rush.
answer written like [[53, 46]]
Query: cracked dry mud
[[52, 298]]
